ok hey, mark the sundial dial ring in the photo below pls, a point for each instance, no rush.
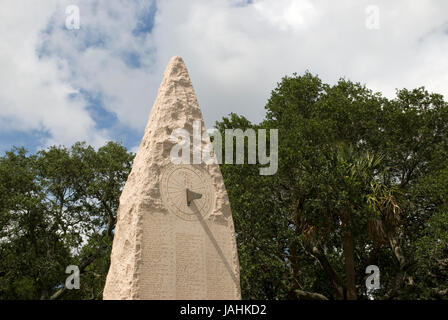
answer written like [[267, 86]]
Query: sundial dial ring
[[187, 191]]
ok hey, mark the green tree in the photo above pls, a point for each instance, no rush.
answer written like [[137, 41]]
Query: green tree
[[58, 208], [348, 194]]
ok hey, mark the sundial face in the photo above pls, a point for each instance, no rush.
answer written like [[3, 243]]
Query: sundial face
[[187, 191]]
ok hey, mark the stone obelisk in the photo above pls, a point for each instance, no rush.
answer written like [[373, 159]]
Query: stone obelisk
[[174, 237]]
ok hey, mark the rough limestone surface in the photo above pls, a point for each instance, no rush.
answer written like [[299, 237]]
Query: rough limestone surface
[[157, 252]]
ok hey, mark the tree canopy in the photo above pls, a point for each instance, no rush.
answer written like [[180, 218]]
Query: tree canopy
[[362, 180], [58, 208]]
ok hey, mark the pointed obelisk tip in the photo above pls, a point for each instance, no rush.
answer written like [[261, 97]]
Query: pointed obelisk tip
[[176, 60], [175, 70]]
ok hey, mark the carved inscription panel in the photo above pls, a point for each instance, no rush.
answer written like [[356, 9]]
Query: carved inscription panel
[[190, 267]]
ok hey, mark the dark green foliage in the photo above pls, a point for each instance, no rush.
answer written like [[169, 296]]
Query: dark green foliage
[[58, 208], [362, 180]]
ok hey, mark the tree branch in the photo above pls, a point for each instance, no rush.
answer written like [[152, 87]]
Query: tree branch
[[82, 267], [335, 279], [305, 295]]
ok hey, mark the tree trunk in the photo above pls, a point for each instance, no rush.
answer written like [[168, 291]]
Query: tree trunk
[[398, 252], [347, 244], [335, 280]]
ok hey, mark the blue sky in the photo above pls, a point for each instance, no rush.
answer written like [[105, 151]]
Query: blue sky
[[98, 83]]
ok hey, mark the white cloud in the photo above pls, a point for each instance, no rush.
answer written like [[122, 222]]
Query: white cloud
[[235, 51], [95, 55], [237, 54], [33, 95], [287, 14]]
